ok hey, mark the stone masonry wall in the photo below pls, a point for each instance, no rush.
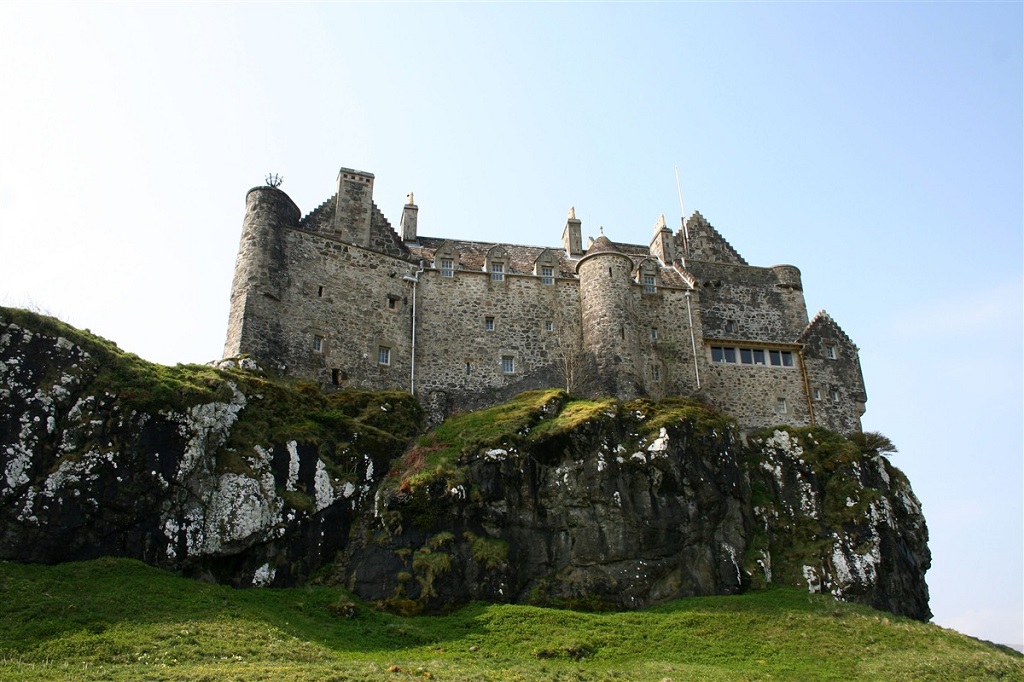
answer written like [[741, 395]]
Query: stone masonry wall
[[750, 297], [310, 303], [837, 381]]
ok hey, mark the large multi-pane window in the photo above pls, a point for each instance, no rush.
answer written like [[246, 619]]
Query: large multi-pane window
[[497, 272], [383, 356], [447, 267], [547, 274], [752, 356], [508, 364], [650, 284]]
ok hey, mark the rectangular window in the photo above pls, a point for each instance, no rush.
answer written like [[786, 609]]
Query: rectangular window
[[508, 364], [746, 356], [717, 355], [549, 326], [654, 334], [787, 358], [650, 284], [320, 292], [447, 267], [835, 397], [730, 355], [392, 303], [656, 372], [830, 352], [775, 357], [383, 356], [730, 326], [497, 272], [759, 356], [489, 324], [547, 274], [469, 368], [318, 344], [780, 406], [816, 394]]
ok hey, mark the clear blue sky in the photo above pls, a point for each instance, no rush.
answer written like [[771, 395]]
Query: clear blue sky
[[877, 146]]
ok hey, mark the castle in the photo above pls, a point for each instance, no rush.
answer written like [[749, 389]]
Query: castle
[[339, 297]]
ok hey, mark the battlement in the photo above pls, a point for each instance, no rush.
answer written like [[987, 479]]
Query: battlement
[[339, 297]]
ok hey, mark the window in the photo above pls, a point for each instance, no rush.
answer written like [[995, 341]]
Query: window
[[508, 364], [336, 376], [392, 302], [447, 267], [835, 396], [469, 368], [650, 284], [830, 351], [816, 395], [318, 343], [655, 372], [383, 356], [549, 326], [547, 274], [780, 406], [654, 334], [497, 272], [752, 356], [320, 292], [730, 326], [489, 324]]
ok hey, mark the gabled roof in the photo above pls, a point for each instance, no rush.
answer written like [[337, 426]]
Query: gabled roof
[[824, 320], [704, 243]]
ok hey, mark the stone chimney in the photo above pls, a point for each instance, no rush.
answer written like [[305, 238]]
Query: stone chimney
[[663, 246], [355, 205], [572, 235], [409, 214]]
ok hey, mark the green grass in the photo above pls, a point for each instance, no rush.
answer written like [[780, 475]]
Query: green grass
[[118, 620]]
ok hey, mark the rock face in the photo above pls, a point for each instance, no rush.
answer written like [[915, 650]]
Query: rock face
[[221, 473]]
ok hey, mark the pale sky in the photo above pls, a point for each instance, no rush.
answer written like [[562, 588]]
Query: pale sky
[[876, 146]]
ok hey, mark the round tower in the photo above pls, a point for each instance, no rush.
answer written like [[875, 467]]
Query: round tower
[[789, 282], [260, 274], [609, 328]]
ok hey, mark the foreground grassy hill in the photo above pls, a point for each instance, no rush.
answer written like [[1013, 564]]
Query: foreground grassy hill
[[117, 619]]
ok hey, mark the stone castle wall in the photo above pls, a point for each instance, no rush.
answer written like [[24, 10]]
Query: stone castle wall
[[329, 298]]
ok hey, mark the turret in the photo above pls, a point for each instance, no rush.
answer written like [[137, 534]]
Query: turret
[[260, 271], [409, 215], [609, 328], [572, 235], [355, 205], [788, 281]]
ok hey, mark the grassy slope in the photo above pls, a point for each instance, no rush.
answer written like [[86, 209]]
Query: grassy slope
[[114, 619]]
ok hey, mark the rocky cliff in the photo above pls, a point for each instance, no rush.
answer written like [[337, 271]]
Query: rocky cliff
[[223, 473]]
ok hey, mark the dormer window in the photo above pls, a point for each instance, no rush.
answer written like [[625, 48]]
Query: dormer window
[[446, 259], [649, 276], [830, 351], [544, 266], [497, 263]]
